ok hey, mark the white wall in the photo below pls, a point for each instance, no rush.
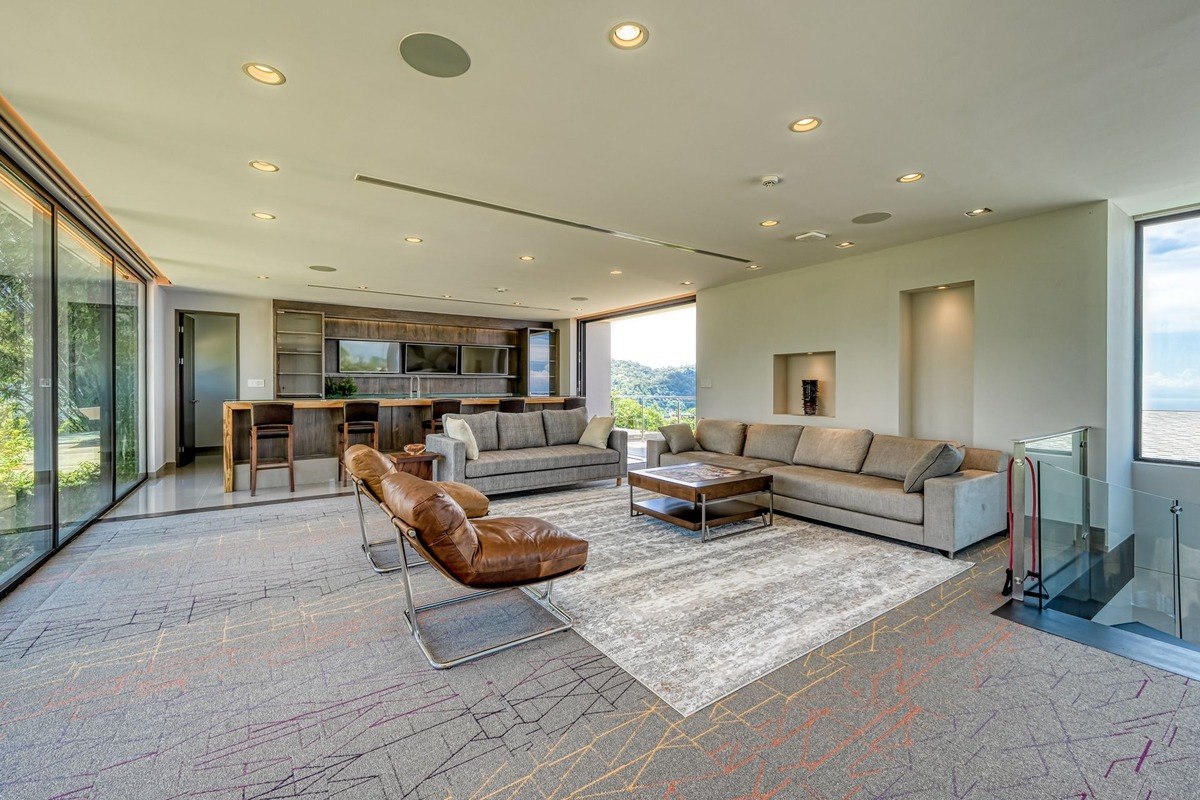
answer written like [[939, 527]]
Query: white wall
[[598, 364], [943, 364], [1040, 329], [254, 357]]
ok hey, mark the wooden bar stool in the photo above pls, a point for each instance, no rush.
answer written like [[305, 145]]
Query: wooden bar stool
[[440, 407], [512, 405], [358, 416], [271, 420], [574, 402]]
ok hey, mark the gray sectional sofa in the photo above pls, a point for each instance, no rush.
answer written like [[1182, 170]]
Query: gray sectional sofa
[[528, 451], [857, 479]]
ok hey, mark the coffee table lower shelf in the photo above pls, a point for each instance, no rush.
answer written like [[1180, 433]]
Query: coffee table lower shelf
[[699, 516]]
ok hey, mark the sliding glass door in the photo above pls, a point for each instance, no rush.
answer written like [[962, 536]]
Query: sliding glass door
[[26, 411], [72, 377]]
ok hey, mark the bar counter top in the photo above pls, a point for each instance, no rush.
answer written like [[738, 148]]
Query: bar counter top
[[316, 427]]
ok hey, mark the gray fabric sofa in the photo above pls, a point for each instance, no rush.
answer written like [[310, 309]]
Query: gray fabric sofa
[[856, 479], [528, 451]]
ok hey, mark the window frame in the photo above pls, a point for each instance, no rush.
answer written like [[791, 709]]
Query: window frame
[[1138, 302]]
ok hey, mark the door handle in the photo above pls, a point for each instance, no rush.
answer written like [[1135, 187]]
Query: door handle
[[194, 401]]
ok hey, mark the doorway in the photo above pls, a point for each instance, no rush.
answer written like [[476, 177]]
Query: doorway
[[208, 376]]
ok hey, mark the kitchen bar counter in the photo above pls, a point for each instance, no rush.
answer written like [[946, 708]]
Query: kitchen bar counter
[[316, 433]]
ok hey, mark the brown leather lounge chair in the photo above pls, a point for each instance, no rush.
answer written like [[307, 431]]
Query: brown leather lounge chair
[[491, 555], [367, 468]]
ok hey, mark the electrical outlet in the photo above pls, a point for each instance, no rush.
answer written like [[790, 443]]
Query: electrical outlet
[[255, 383]]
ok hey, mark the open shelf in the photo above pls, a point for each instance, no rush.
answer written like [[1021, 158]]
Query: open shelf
[[791, 369]]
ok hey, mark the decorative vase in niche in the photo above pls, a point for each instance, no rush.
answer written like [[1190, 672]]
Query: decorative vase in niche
[[809, 388]]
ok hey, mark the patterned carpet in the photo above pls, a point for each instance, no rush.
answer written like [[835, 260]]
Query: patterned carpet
[[251, 654]]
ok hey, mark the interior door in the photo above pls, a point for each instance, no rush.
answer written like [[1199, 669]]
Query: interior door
[[187, 391]]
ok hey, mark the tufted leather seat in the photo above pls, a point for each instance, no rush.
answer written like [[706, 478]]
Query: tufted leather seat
[[490, 554]]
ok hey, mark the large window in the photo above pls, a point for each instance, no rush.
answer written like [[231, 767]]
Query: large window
[[1168, 257], [72, 377]]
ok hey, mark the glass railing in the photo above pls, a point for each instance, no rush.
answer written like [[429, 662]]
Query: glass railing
[[646, 413]]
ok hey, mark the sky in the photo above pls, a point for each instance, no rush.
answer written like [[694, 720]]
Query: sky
[[1171, 315], [661, 339]]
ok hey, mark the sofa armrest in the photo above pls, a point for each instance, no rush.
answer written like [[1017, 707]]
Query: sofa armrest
[[654, 450], [453, 464], [963, 508], [619, 440]]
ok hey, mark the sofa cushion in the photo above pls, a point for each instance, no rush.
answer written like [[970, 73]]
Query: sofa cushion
[[852, 491], [842, 449], [564, 427], [518, 431], [721, 436], [893, 456], [459, 430], [940, 460], [597, 432], [720, 459], [483, 426], [679, 437], [533, 459], [774, 442]]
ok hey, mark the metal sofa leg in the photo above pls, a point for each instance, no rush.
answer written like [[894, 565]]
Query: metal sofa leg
[[412, 614]]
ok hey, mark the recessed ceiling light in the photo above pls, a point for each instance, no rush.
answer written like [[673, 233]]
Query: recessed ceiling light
[[978, 212], [264, 277], [322, 268], [263, 73], [844, 245], [413, 239], [614, 272], [501, 289], [686, 283], [447, 296], [769, 223], [527, 258], [753, 266], [518, 303], [262, 215], [805, 124], [579, 309], [943, 287], [264, 166], [364, 287], [910, 177], [628, 35]]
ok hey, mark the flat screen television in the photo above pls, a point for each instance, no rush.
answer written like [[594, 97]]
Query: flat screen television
[[478, 360], [363, 356], [431, 359]]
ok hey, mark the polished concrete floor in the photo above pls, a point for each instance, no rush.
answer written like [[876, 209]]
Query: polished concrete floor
[[200, 486]]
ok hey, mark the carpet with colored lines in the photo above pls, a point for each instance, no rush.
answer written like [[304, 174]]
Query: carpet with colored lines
[[251, 653]]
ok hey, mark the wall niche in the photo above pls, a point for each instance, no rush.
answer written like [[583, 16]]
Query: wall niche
[[793, 369]]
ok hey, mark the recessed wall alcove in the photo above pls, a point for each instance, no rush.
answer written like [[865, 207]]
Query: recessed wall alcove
[[791, 369], [937, 362]]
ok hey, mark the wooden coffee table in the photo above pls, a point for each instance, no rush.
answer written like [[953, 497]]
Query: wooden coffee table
[[700, 497]]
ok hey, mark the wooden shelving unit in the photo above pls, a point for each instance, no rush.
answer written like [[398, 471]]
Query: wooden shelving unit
[[299, 354], [539, 368]]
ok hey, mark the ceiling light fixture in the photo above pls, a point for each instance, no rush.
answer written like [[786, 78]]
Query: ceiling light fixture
[[844, 245], [364, 287], [910, 177], [264, 277], [527, 258], [262, 215], [447, 296], [263, 73], [264, 166], [413, 239], [769, 223], [753, 266], [805, 124], [614, 272], [978, 212], [518, 303], [501, 289], [628, 35], [943, 287], [686, 283]]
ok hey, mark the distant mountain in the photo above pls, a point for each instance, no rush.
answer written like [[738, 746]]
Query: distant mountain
[[629, 378]]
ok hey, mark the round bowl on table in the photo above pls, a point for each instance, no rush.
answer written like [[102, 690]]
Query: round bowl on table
[[414, 449]]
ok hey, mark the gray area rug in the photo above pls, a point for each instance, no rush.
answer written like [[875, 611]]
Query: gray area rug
[[695, 622]]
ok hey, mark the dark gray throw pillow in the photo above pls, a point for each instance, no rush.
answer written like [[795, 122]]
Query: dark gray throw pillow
[[679, 437], [940, 460]]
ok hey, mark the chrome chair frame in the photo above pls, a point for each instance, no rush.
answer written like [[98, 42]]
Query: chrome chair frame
[[411, 613], [383, 568]]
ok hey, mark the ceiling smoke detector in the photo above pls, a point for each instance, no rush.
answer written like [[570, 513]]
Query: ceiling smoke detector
[[770, 181], [811, 236]]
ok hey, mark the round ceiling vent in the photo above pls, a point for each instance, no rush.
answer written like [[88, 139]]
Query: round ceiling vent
[[434, 55], [579, 299], [322, 268], [872, 218]]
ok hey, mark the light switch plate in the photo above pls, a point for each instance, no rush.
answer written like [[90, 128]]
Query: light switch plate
[[255, 383], [706, 383]]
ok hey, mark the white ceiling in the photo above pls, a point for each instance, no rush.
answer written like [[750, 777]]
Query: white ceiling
[[1023, 106]]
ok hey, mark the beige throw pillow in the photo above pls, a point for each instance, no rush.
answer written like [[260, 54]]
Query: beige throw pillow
[[459, 429], [679, 437], [939, 461], [597, 431]]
